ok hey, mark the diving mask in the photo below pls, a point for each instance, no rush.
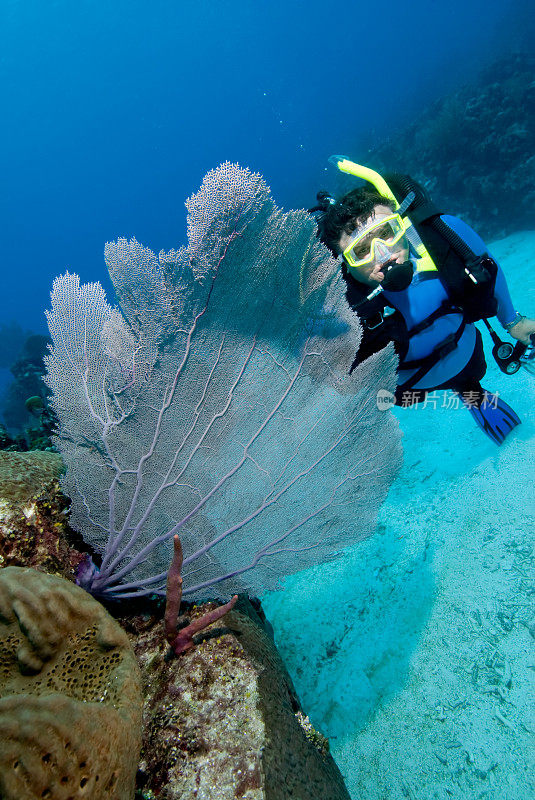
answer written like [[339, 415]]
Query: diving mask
[[378, 242]]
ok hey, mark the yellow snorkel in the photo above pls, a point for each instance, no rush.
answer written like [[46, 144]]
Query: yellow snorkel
[[367, 174], [424, 261]]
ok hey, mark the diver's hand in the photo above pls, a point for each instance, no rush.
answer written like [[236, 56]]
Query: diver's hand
[[523, 330], [380, 270]]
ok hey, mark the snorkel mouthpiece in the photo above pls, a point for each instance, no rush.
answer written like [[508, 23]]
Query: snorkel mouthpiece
[[398, 277]]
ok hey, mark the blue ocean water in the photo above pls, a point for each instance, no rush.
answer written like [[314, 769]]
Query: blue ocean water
[[112, 114]]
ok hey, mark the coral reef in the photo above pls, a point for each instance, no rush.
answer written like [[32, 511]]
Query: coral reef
[[203, 722], [474, 149], [34, 530], [229, 418], [25, 401], [70, 701], [223, 721]]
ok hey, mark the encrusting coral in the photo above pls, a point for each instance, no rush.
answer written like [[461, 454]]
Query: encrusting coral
[[34, 530], [70, 697], [22, 474], [223, 720]]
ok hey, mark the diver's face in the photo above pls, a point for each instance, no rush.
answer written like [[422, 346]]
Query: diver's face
[[372, 273]]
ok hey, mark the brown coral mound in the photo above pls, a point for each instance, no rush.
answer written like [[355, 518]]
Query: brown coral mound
[[70, 701]]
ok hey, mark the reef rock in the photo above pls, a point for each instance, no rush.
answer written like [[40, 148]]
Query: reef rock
[[70, 699], [473, 149], [223, 721], [34, 531]]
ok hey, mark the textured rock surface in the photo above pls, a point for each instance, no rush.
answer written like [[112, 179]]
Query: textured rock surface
[[70, 701], [22, 474], [33, 524], [223, 721]]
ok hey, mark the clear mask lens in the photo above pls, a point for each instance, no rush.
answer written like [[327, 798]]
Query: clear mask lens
[[381, 252]]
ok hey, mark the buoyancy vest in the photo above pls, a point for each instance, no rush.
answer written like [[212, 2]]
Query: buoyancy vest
[[382, 323], [468, 278]]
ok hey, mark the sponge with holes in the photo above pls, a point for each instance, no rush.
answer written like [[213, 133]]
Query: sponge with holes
[[70, 696]]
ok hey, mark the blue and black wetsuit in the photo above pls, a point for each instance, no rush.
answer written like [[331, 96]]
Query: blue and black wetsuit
[[427, 322]]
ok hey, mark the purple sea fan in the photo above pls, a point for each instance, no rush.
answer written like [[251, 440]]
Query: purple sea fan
[[217, 403]]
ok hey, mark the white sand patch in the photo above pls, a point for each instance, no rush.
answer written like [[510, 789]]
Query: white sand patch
[[415, 652]]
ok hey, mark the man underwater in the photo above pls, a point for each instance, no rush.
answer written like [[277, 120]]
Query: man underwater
[[419, 279]]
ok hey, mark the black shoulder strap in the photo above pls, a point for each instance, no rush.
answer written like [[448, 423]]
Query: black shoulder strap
[[469, 278], [421, 207]]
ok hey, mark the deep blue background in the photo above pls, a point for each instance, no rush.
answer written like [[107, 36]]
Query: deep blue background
[[113, 111]]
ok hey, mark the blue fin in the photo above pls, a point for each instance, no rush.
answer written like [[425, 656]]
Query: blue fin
[[495, 417]]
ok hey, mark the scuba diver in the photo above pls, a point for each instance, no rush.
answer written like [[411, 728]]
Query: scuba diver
[[420, 279]]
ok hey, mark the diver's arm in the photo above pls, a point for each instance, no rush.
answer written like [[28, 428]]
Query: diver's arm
[[506, 311], [378, 329]]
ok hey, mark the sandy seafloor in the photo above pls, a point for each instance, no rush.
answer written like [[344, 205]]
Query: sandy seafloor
[[415, 652]]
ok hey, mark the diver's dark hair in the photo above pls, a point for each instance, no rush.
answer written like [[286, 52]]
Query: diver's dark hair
[[346, 214]]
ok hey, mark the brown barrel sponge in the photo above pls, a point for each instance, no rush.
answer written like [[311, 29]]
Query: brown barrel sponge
[[70, 693]]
